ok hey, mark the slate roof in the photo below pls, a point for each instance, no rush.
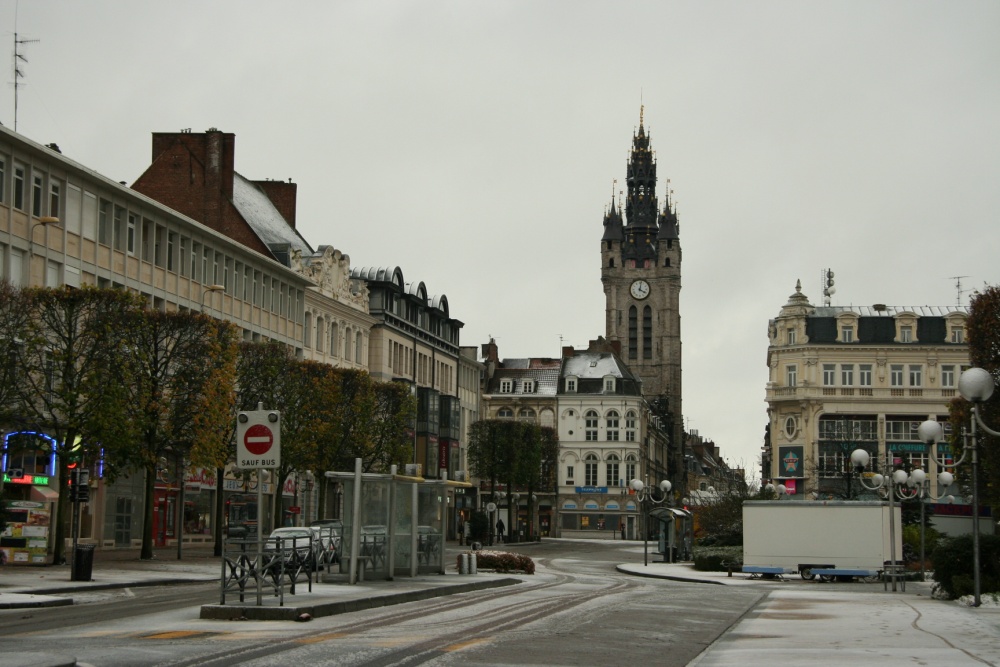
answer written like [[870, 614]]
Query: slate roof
[[889, 311], [545, 373], [265, 220]]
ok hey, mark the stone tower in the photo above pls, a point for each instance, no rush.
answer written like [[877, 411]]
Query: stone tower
[[641, 273]]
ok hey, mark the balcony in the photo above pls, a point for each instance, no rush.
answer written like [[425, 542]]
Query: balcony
[[801, 393]]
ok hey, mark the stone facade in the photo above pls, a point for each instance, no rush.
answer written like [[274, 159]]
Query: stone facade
[[844, 378]]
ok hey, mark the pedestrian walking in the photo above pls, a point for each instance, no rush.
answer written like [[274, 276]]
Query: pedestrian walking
[[621, 527], [500, 528]]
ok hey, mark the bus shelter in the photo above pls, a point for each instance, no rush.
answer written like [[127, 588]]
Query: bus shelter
[[675, 531], [393, 524]]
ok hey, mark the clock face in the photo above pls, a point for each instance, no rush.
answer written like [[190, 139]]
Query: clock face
[[639, 289]]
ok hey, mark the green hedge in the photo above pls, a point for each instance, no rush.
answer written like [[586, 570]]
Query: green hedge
[[718, 559], [501, 561], [952, 563]]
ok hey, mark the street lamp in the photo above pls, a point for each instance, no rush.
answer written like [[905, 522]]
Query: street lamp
[[976, 386], [645, 497], [209, 289], [781, 490]]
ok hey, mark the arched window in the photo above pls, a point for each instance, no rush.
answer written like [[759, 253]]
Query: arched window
[[630, 426], [647, 333], [319, 334], [505, 413], [631, 467], [590, 420], [307, 330], [633, 333], [334, 339], [527, 414], [357, 347], [590, 469], [611, 470], [612, 424], [347, 343]]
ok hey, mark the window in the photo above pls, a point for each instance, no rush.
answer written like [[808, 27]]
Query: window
[[506, 386], [829, 375], [612, 425], [791, 426], [905, 334], [630, 422], [896, 375], [957, 334], [611, 469], [505, 413], [865, 375], [19, 177], [633, 333], [3, 178], [590, 470], [948, 376], [74, 209], [647, 332], [630, 467], [118, 229], [528, 387], [37, 190], [55, 198], [847, 334], [526, 414], [916, 375], [104, 223], [590, 420], [571, 384], [335, 341], [130, 235], [569, 474], [609, 384], [847, 375], [89, 215], [791, 375]]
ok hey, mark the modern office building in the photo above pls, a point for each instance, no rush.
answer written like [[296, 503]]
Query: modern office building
[[848, 377]]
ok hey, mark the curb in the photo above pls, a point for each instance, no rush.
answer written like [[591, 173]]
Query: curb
[[254, 613], [650, 575]]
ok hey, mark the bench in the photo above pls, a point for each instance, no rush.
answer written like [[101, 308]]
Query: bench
[[828, 573], [766, 571], [894, 572]]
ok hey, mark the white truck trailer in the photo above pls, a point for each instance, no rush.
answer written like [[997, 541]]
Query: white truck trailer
[[829, 538]]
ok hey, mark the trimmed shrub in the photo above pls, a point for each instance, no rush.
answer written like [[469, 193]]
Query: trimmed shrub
[[500, 561], [952, 563], [717, 559]]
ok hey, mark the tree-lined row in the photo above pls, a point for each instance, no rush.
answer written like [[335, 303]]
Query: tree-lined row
[[109, 379]]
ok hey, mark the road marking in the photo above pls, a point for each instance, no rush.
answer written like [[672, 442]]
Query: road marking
[[463, 645], [321, 638], [180, 634]]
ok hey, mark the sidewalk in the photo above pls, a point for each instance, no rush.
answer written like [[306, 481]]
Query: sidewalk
[[825, 624], [833, 624]]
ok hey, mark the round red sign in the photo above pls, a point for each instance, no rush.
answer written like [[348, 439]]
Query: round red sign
[[258, 439]]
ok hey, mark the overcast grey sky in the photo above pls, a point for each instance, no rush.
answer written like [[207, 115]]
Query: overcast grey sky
[[475, 145]]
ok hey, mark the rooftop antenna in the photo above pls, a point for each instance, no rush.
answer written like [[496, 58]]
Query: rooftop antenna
[[958, 289], [828, 288], [18, 59]]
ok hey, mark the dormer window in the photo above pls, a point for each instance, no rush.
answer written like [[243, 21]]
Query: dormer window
[[571, 384], [506, 386], [528, 387], [958, 334], [847, 334], [791, 336], [906, 328], [609, 384], [906, 334]]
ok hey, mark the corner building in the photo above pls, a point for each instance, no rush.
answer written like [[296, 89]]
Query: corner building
[[847, 377]]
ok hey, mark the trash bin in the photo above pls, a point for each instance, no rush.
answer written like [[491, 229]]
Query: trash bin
[[83, 562]]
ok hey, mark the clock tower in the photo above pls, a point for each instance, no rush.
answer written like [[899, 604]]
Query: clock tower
[[641, 273]]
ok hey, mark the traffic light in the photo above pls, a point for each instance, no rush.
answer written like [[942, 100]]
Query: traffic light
[[79, 485]]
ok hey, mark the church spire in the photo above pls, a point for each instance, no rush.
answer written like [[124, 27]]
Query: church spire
[[640, 205]]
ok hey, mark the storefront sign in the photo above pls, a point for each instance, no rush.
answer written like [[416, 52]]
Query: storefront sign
[[591, 489], [41, 480]]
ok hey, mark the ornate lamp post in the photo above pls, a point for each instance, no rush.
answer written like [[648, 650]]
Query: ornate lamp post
[[976, 386], [645, 497]]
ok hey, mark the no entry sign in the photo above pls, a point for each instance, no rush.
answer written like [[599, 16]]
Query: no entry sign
[[258, 439]]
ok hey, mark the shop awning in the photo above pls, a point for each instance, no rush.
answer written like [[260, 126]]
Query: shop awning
[[43, 494]]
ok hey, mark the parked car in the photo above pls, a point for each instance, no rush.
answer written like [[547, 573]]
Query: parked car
[[304, 541]]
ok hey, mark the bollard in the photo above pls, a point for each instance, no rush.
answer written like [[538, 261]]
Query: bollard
[[463, 564], [472, 563]]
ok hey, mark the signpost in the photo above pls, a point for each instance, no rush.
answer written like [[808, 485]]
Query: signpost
[[258, 446]]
